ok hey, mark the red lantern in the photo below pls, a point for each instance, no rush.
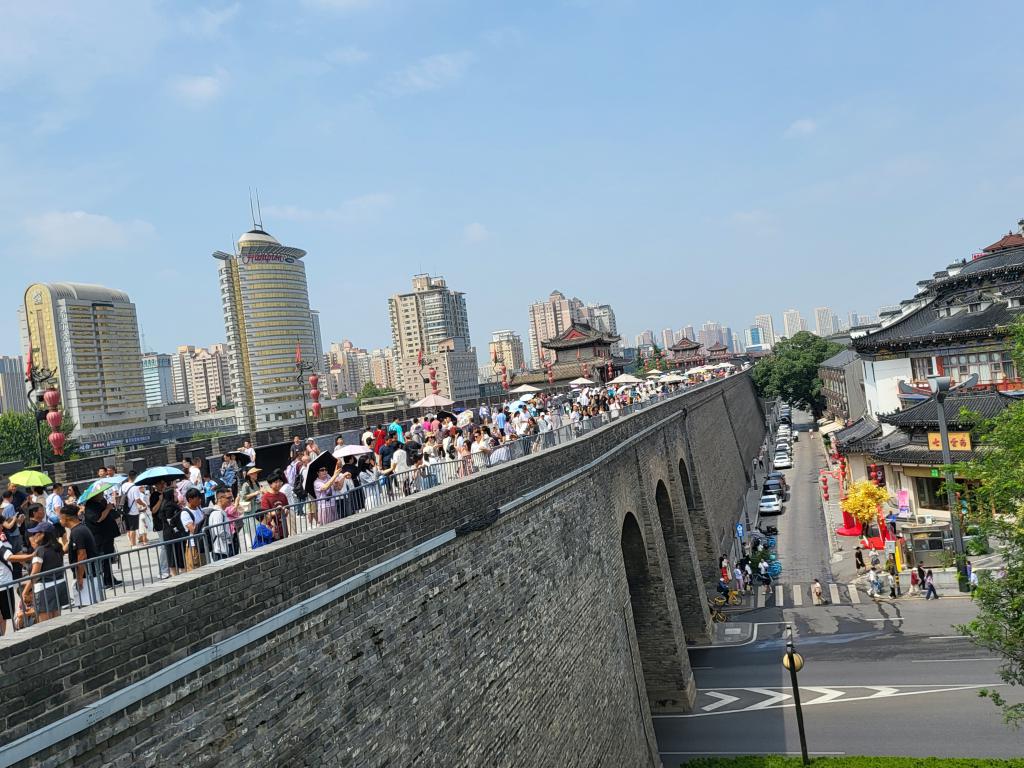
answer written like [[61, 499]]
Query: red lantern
[[314, 394], [57, 442], [314, 381], [825, 496], [51, 397], [53, 419], [317, 409]]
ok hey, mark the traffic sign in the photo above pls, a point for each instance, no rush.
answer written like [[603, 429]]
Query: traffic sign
[[739, 530]]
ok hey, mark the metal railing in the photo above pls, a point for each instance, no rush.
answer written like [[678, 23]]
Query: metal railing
[[77, 585]]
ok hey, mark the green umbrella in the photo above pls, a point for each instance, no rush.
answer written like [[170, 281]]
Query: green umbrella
[[31, 479], [96, 487]]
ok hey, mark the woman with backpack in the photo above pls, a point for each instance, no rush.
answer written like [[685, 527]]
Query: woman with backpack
[[929, 586]]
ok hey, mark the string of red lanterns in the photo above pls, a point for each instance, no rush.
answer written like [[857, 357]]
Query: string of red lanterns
[[52, 399]]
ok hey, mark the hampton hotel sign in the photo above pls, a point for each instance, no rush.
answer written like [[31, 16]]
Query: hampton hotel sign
[[266, 258]]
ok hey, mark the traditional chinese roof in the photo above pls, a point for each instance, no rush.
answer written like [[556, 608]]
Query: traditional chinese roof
[[684, 345], [983, 404], [861, 429], [1009, 240], [924, 326], [718, 348], [579, 335], [840, 360], [918, 454], [568, 371]]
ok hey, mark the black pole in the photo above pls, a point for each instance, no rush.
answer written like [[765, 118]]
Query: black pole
[[39, 439], [796, 696], [305, 409]]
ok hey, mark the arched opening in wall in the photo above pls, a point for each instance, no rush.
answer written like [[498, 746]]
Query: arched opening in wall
[[690, 492], [683, 565], [659, 652], [668, 524]]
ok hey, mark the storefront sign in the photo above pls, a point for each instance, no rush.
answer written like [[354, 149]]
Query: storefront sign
[[958, 441], [903, 500]]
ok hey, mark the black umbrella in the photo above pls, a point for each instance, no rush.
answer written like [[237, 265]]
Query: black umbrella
[[442, 415], [241, 457], [325, 460]]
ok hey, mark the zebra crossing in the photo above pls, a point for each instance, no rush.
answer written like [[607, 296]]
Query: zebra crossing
[[799, 595]]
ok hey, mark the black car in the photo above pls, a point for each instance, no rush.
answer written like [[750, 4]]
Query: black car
[[775, 488], [778, 476]]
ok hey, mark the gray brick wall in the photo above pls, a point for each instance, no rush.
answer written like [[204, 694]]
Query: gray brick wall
[[521, 644]]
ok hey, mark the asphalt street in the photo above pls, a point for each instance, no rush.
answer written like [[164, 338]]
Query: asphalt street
[[880, 678]]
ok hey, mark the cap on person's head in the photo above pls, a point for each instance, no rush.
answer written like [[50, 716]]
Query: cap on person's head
[[44, 526], [253, 471]]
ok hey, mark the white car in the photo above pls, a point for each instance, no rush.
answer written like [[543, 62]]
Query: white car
[[770, 505], [782, 461]]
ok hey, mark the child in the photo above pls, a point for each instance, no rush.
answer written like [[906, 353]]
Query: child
[[264, 531]]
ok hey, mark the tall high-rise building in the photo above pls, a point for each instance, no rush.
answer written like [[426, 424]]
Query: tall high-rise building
[[506, 348], [689, 333], [156, 376], [645, 339], [89, 336], [667, 338], [181, 373], [430, 329], [210, 378], [823, 321], [712, 333], [382, 368], [12, 385], [755, 339], [767, 326], [266, 316], [602, 317], [350, 366], [792, 323], [548, 319], [318, 340], [737, 344]]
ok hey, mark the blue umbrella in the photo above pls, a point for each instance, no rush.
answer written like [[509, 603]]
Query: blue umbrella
[[95, 488], [156, 474]]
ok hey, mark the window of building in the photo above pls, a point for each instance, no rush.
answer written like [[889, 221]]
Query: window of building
[[976, 307], [921, 368], [929, 492]]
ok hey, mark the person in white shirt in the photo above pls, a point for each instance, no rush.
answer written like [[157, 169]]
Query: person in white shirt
[[249, 451], [195, 475], [136, 500], [191, 519], [479, 450], [219, 525], [54, 503], [339, 446], [367, 438]]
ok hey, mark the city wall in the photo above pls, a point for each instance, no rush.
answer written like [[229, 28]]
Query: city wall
[[535, 614]]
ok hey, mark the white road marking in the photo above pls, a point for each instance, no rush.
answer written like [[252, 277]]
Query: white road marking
[[747, 752], [780, 596], [774, 697], [949, 637], [723, 699], [948, 661], [828, 694], [833, 591], [893, 618], [883, 691], [798, 595], [854, 594], [759, 601]]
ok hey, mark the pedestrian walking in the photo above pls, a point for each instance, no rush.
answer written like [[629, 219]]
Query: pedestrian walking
[[858, 559], [929, 584], [737, 577], [915, 582], [817, 596], [972, 580]]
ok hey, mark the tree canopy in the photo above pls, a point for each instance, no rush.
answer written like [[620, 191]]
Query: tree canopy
[[18, 440], [997, 509], [863, 499], [790, 373], [371, 390]]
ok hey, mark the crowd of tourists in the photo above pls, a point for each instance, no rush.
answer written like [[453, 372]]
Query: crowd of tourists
[[217, 509]]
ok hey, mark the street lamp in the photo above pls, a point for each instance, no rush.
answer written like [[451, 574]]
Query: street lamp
[[794, 662], [940, 386], [302, 368]]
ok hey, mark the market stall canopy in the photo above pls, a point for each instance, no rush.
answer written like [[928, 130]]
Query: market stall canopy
[[433, 401], [581, 382], [625, 378], [524, 388]]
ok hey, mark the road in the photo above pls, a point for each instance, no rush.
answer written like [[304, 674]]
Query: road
[[880, 678]]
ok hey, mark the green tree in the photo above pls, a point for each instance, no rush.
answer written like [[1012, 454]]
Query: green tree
[[791, 371], [18, 440], [371, 390], [997, 508]]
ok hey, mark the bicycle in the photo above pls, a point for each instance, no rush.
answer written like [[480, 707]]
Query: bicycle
[[717, 615], [734, 598]]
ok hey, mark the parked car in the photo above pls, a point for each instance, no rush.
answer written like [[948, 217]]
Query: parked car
[[770, 505], [778, 477], [773, 488], [782, 461]]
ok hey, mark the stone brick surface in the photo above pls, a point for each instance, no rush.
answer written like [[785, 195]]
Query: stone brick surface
[[544, 638]]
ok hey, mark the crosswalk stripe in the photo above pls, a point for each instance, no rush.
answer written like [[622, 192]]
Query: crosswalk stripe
[[798, 595], [780, 596], [854, 594], [759, 600], [833, 591]]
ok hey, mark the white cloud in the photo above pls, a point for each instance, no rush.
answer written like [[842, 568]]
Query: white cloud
[[347, 55], [351, 211], [475, 233], [57, 234], [199, 90], [207, 23], [802, 127], [428, 74]]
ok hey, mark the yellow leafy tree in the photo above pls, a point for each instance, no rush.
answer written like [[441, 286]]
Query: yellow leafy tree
[[862, 500]]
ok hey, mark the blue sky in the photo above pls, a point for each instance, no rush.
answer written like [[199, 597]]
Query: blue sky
[[681, 161]]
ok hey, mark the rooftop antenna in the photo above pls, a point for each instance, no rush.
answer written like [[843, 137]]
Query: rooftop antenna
[[259, 213], [252, 213]]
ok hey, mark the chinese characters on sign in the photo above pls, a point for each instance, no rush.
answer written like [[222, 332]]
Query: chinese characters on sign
[[958, 441]]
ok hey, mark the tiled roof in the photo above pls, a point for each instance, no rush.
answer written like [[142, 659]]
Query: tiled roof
[[861, 429], [984, 403], [684, 345], [718, 348], [919, 454], [1012, 256], [1009, 240], [840, 359], [579, 335], [924, 325]]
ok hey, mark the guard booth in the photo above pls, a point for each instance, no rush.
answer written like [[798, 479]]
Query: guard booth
[[926, 545]]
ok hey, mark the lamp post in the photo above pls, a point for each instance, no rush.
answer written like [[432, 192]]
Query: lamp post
[[794, 662], [301, 369], [37, 378], [940, 385]]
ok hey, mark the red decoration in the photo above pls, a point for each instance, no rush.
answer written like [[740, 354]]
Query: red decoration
[[57, 442], [315, 394], [317, 410], [433, 380], [298, 353], [51, 397], [314, 381], [53, 418]]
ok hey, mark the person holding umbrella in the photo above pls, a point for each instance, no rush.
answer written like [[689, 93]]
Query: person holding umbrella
[[321, 478]]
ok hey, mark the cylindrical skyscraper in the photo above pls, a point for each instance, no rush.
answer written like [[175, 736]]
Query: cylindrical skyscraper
[[266, 314]]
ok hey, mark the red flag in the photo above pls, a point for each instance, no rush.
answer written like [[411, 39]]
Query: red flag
[[28, 363], [298, 353]]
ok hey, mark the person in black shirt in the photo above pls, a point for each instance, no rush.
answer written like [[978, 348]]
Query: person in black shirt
[[86, 581], [100, 520], [46, 593]]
